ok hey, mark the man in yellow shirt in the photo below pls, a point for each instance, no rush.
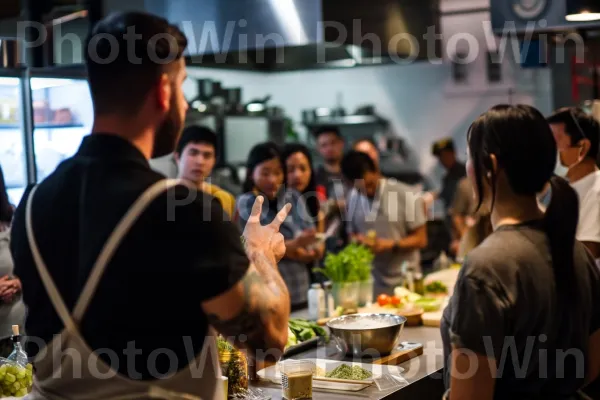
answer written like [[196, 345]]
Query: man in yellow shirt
[[196, 156]]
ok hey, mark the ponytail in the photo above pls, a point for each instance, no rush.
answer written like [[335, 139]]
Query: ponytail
[[560, 224]]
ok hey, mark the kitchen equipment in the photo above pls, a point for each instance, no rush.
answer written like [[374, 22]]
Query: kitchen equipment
[[359, 334], [206, 89], [273, 374], [412, 314], [257, 106]]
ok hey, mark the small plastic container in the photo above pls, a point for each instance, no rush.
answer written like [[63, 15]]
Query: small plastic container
[[297, 379]]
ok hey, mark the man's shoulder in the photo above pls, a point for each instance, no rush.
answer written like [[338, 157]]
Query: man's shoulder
[[596, 184], [401, 189]]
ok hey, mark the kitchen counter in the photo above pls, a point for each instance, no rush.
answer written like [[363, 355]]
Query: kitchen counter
[[423, 373]]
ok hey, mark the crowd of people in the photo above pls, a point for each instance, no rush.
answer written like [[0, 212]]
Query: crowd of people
[[105, 252], [349, 193]]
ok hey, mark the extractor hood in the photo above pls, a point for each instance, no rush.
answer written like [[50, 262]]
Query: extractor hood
[[283, 35], [277, 35]]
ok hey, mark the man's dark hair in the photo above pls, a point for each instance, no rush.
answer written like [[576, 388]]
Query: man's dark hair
[[324, 130], [356, 164], [126, 53], [446, 144], [579, 125], [196, 134]]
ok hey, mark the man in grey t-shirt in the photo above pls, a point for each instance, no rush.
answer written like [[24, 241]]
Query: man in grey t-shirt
[[387, 216]]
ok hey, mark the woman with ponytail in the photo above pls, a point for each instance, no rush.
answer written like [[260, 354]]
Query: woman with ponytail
[[524, 319]]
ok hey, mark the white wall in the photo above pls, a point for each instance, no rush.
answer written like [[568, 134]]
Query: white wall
[[420, 100]]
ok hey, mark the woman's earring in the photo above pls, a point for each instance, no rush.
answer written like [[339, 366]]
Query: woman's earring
[[489, 175]]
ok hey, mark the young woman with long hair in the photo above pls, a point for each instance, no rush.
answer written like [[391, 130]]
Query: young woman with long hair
[[265, 178], [530, 293]]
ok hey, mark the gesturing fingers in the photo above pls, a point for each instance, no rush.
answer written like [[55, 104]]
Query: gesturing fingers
[[281, 216], [256, 210]]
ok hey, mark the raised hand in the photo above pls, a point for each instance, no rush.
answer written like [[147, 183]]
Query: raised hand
[[265, 240]]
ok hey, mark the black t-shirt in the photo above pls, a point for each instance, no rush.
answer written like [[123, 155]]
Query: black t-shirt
[[505, 298], [173, 258], [332, 182]]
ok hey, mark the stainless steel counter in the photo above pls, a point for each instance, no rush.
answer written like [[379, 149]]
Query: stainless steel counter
[[423, 373]]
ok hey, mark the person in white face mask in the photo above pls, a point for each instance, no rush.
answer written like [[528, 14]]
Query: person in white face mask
[[577, 136]]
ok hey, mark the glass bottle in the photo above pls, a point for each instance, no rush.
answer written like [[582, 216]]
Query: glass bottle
[[18, 355]]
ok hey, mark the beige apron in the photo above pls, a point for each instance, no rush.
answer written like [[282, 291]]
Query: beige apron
[[68, 369]]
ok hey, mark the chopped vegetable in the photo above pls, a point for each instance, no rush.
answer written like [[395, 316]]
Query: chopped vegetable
[[429, 304], [406, 296], [302, 330], [354, 373], [383, 300], [292, 340], [396, 301], [436, 287]]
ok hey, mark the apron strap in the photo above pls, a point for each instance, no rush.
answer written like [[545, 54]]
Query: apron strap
[[101, 262], [114, 241], [53, 293]]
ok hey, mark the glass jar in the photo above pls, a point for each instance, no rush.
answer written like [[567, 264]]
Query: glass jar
[[297, 379], [366, 293], [234, 366], [346, 294]]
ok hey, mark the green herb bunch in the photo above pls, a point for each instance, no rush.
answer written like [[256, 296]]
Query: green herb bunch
[[352, 264]]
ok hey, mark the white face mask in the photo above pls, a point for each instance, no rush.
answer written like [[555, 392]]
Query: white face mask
[[560, 169]]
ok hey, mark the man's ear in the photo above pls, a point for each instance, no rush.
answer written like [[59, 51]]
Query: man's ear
[[176, 157], [164, 92], [586, 145]]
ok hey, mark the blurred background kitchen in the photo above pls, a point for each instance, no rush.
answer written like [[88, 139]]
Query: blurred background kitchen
[[285, 90]]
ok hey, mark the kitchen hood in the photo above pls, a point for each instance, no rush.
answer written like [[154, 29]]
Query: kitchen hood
[[284, 35], [266, 35]]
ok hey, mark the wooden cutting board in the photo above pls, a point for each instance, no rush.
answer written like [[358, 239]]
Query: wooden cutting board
[[406, 352], [433, 319]]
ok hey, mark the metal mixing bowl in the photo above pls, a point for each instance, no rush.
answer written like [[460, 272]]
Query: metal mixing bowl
[[373, 342]]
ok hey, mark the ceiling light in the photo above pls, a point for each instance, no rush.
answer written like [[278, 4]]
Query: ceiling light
[[583, 10]]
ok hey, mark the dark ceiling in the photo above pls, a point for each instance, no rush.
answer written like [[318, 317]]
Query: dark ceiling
[[10, 9]]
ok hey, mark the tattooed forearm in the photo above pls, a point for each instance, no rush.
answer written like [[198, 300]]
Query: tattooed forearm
[[268, 270], [265, 296]]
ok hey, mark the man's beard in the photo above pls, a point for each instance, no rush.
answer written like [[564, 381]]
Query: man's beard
[[167, 135]]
